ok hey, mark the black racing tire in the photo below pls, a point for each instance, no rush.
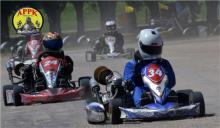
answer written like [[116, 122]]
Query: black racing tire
[[114, 111], [95, 123], [4, 89], [184, 96], [197, 97], [17, 96], [90, 56], [130, 53]]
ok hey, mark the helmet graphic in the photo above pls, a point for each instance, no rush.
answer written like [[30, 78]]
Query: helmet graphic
[[52, 41], [110, 25]]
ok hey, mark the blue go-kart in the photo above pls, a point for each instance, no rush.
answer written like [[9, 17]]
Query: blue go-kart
[[115, 104]]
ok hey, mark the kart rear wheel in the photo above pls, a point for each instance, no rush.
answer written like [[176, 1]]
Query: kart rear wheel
[[130, 53], [17, 96], [197, 97], [90, 56], [114, 111], [5, 89]]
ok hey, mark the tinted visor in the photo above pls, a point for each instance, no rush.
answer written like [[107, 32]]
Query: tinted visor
[[151, 50], [111, 27], [54, 44]]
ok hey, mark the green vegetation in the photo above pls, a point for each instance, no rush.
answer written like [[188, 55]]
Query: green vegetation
[[92, 16], [68, 18]]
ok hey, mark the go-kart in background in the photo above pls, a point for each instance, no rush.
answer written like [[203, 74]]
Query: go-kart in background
[[196, 63]]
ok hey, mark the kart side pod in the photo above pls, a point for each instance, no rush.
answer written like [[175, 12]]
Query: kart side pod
[[82, 81], [95, 113]]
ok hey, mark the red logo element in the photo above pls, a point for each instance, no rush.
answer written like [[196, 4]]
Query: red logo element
[[28, 11], [155, 73], [50, 63]]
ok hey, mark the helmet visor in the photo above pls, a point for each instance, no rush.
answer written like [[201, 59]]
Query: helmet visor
[[111, 27], [54, 44], [151, 50]]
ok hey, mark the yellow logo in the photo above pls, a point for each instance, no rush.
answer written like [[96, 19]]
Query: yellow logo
[[27, 20]]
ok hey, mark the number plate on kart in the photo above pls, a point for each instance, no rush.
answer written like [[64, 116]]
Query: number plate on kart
[[154, 72], [9, 96]]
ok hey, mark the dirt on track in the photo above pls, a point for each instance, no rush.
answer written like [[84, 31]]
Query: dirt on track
[[196, 63]]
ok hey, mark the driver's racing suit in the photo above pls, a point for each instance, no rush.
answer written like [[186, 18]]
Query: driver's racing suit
[[101, 46], [132, 72]]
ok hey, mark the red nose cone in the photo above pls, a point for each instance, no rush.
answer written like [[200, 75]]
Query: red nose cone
[[155, 73]]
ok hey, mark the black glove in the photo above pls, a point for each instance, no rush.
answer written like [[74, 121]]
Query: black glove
[[128, 85]]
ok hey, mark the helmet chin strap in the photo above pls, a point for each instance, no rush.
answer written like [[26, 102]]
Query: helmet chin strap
[[111, 31], [148, 57]]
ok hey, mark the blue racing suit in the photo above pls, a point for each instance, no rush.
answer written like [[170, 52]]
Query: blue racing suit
[[132, 72]]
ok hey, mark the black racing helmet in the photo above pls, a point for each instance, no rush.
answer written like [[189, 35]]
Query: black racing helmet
[[52, 41]]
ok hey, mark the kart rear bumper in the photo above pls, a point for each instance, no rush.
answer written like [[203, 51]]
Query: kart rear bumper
[[52, 95], [144, 113]]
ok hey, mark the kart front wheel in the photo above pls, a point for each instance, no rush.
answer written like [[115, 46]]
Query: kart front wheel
[[90, 56], [114, 111], [7, 91], [17, 97], [197, 97], [184, 96]]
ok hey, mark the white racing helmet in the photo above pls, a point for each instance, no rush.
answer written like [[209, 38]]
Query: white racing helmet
[[150, 44], [110, 25]]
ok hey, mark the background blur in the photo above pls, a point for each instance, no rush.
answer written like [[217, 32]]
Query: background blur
[[75, 18]]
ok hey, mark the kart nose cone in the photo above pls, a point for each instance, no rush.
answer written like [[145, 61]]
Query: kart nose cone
[[95, 112]]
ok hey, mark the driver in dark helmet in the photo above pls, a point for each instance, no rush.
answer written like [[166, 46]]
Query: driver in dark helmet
[[149, 52], [111, 42], [53, 43]]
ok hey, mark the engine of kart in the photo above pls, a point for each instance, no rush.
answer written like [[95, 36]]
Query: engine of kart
[[102, 74]]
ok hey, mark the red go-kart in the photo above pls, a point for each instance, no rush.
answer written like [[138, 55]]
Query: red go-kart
[[52, 86]]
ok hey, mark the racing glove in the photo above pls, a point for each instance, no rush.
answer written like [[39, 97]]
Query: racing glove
[[127, 84]]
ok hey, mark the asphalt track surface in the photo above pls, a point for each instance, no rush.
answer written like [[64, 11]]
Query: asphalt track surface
[[197, 66]]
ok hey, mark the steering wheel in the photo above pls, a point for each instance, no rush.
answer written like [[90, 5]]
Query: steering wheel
[[58, 54]]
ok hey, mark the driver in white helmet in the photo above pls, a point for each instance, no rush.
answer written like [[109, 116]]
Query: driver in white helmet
[[149, 51], [111, 41]]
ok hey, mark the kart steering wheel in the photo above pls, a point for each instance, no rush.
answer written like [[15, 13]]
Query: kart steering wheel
[[59, 54]]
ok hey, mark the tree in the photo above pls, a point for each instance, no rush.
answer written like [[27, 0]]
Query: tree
[[131, 17], [9, 7], [6, 8], [53, 9], [153, 7], [212, 13], [107, 9], [79, 16]]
